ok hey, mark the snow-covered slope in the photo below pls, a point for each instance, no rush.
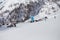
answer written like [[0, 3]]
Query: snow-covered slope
[[45, 30], [48, 10], [19, 10], [42, 30], [15, 11]]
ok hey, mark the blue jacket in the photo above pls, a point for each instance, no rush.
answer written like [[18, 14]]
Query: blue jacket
[[32, 18]]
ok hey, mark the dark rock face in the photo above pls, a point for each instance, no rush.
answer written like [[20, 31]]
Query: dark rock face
[[23, 12]]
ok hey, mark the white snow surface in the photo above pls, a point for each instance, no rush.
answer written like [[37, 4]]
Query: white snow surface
[[43, 30]]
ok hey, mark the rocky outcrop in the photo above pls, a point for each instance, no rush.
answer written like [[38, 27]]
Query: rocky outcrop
[[22, 12]]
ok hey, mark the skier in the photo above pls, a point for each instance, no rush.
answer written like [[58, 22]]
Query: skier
[[32, 18]]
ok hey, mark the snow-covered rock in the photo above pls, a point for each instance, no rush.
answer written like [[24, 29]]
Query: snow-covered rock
[[19, 11], [47, 10]]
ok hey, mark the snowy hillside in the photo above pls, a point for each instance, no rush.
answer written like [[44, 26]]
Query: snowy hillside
[[17, 11], [49, 10], [45, 30]]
